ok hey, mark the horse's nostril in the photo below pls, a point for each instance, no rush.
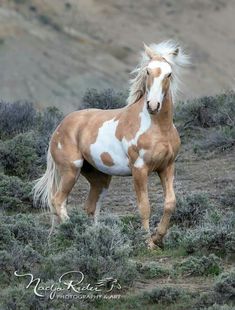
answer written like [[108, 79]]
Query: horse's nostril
[[158, 106]]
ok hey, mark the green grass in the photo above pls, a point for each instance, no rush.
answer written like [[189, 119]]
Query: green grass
[[157, 253]]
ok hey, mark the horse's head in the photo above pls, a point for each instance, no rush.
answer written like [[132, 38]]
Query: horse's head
[[159, 75], [158, 72]]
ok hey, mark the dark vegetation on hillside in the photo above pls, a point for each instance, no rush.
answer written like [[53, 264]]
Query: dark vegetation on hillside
[[200, 231], [208, 121]]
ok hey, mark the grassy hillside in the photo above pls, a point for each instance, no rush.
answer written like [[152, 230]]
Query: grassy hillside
[[194, 271]]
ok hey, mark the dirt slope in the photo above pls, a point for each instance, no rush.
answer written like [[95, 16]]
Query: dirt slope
[[51, 51]]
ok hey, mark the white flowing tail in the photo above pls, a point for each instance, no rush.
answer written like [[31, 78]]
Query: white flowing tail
[[46, 186]]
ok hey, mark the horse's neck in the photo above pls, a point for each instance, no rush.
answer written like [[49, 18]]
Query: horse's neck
[[164, 118]]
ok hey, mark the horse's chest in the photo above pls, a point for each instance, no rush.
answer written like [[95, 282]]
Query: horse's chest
[[164, 153]]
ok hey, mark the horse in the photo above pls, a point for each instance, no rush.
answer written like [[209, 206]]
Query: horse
[[135, 140]]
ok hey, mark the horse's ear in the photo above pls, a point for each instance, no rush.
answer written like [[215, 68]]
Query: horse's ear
[[176, 51], [149, 52], [173, 54]]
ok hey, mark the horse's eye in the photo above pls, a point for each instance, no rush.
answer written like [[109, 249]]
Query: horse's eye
[[147, 71], [169, 75]]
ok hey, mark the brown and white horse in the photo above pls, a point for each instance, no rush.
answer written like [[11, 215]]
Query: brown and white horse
[[135, 140]]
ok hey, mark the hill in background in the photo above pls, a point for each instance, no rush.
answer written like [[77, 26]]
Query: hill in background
[[52, 51]]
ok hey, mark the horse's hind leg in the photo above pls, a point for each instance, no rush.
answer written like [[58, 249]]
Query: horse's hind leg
[[99, 183], [68, 178], [69, 162]]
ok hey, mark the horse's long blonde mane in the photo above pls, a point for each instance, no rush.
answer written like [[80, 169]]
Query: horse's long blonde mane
[[166, 50]]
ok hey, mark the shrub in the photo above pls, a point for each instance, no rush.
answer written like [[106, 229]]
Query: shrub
[[165, 295], [200, 266], [5, 237], [96, 250], [18, 156], [105, 253], [219, 307], [153, 270], [208, 122], [16, 117], [24, 155], [22, 244], [106, 99], [14, 193], [131, 227], [218, 139], [208, 111], [223, 292], [227, 197], [190, 210], [174, 237], [68, 231], [218, 236], [25, 229], [7, 267], [225, 285], [47, 121], [214, 234], [25, 258], [19, 298]]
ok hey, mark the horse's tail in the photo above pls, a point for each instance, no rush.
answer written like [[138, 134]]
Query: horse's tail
[[46, 186]]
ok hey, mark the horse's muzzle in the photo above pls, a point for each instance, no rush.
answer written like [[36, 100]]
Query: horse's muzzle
[[150, 110]]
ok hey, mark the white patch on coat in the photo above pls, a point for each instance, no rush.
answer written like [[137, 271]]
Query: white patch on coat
[[78, 163], [59, 146], [107, 142], [98, 205], [145, 123], [155, 94], [139, 163], [164, 66]]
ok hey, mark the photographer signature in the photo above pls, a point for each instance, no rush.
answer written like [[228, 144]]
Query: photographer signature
[[69, 281]]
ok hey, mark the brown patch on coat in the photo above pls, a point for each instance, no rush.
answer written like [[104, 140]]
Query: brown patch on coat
[[158, 57], [156, 72], [107, 159], [126, 128]]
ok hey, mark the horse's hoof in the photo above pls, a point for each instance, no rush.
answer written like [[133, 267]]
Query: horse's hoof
[[157, 240], [64, 219], [150, 244]]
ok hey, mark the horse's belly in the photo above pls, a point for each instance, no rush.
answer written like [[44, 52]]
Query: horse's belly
[[116, 169], [110, 161]]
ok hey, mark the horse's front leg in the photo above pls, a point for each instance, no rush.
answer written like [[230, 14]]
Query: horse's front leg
[[167, 177], [140, 178]]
